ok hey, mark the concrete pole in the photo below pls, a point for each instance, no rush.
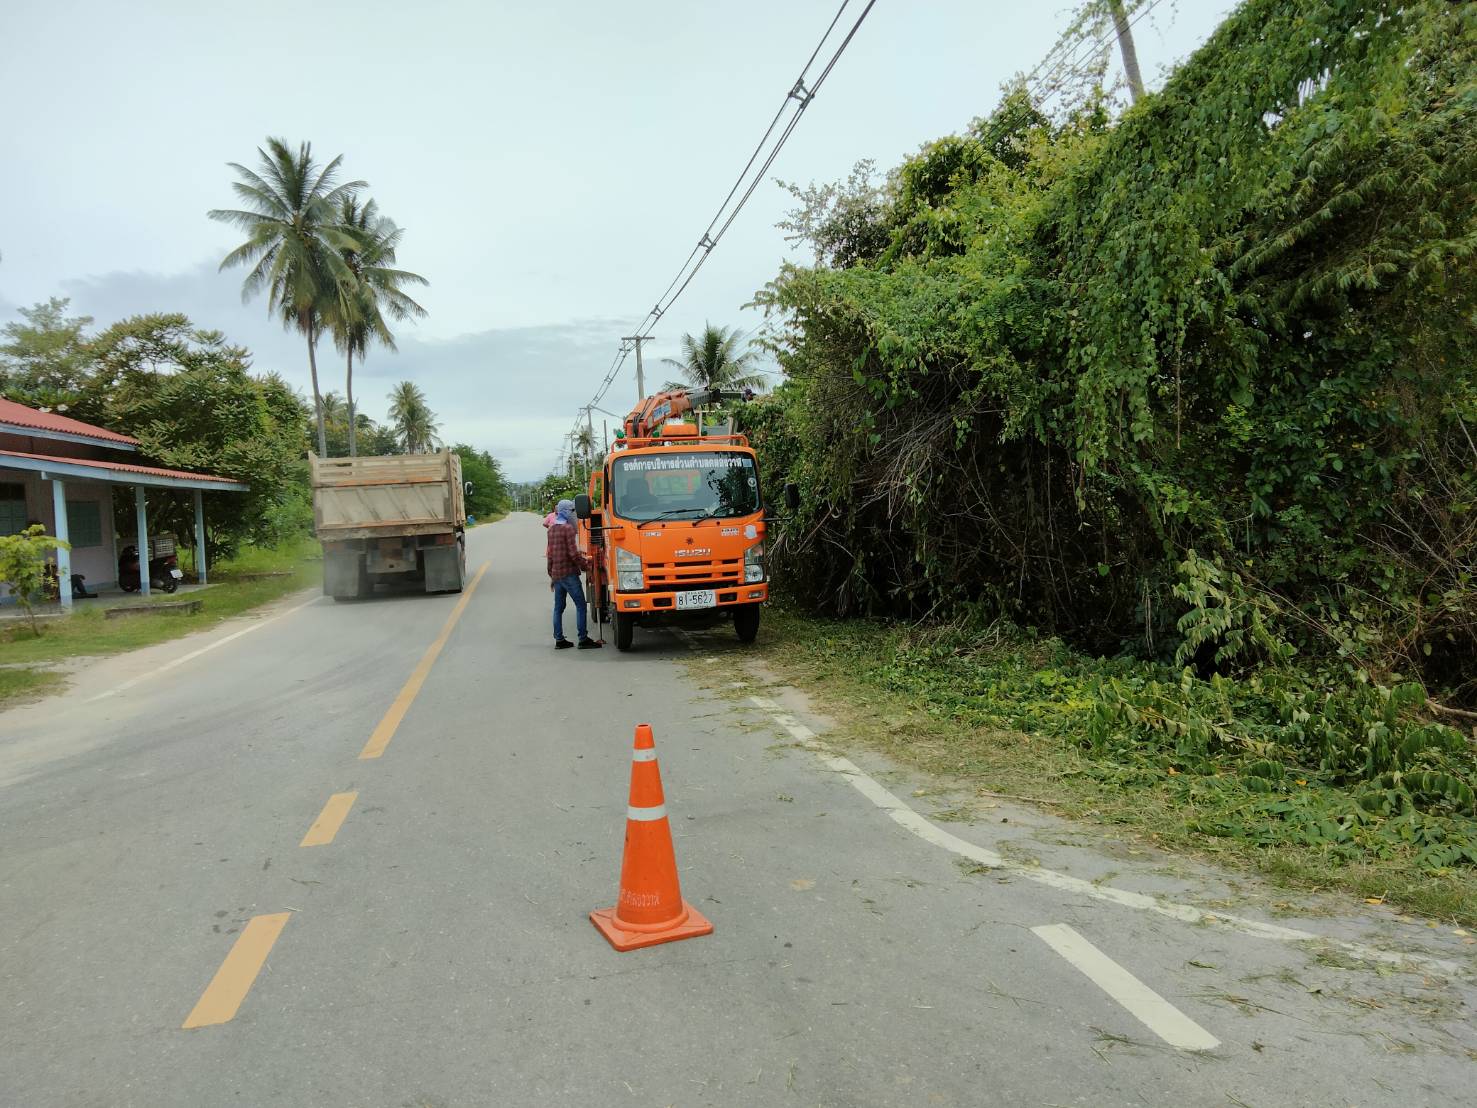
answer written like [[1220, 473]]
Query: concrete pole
[[1123, 27], [141, 517], [640, 375], [63, 555], [200, 538]]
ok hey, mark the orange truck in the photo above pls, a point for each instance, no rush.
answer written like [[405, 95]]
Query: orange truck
[[674, 523]]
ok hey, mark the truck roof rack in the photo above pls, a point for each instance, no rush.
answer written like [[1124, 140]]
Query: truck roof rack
[[683, 440]]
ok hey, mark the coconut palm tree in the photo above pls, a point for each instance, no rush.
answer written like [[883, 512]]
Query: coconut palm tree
[[294, 244], [414, 423], [358, 318], [714, 360], [334, 408]]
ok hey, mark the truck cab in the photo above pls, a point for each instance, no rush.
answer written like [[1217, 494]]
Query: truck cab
[[674, 524]]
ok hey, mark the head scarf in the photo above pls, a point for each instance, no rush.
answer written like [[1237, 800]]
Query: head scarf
[[565, 511], [551, 519]]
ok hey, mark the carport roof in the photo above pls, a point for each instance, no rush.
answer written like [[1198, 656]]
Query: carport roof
[[118, 473], [54, 425]]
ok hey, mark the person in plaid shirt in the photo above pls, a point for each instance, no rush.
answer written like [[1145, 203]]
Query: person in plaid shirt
[[565, 565]]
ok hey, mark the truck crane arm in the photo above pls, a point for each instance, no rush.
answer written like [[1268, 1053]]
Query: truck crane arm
[[646, 419]]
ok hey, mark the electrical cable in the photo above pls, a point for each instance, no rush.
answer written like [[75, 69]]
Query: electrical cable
[[1036, 85]]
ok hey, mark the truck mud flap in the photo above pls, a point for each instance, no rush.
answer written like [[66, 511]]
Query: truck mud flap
[[443, 567], [343, 573]]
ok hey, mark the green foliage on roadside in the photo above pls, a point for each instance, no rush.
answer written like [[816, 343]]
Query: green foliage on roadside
[[23, 567], [275, 572], [1325, 761], [490, 494], [1198, 381], [187, 396]]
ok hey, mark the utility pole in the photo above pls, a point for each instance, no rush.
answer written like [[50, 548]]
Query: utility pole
[[589, 441], [640, 378], [1125, 46]]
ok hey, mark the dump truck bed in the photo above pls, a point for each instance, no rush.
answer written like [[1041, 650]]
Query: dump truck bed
[[400, 494]]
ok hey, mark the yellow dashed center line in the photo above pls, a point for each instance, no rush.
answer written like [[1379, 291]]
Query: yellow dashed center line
[[228, 988], [385, 731], [231, 983], [326, 826]]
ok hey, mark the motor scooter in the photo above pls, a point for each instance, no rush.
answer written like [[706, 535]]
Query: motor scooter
[[164, 571]]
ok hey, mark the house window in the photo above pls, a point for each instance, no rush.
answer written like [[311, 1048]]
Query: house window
[[12, 508], [84, 523]]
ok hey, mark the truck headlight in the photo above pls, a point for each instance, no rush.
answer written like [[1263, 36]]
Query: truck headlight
[[754, 564], [628, 571]]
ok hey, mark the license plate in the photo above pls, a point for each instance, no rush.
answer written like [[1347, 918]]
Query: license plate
[[701, 598], [178, 575]]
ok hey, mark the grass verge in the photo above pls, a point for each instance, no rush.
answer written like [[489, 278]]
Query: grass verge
[[21, 683], [1013, 715], [87, 632]]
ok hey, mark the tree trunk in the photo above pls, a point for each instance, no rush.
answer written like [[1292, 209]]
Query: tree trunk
[[1125, 47], [349, 389], [312, 333]]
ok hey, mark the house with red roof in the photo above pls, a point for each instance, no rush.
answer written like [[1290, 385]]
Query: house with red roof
[[64, 474]]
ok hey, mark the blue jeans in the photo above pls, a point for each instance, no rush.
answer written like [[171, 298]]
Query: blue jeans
[[570, 586]]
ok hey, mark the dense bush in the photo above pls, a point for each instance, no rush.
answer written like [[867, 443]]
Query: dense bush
[[1199, 383]]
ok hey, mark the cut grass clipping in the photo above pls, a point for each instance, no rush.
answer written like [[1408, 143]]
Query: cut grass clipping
[[1323, 781]]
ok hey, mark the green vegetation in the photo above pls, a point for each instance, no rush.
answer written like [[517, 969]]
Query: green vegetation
[[357, 316], [187, 395], [296, 247], [491, 495], [1231, 770], [719, 358], [291, 567], [21, 683], [1191, 392], [23, 567], [414, 423]]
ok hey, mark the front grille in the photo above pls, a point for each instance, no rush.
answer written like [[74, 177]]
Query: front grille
[[695, 574]]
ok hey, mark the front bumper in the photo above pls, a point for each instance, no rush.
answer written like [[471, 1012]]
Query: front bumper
[[728, 596]]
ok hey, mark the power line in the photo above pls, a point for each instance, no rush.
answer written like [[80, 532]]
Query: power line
[[1036, 85], [796, 100]]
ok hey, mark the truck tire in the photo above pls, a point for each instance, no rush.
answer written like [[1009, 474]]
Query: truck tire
[[625, 631], [746, 622]]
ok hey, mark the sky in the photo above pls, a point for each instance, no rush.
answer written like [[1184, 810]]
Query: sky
[[552, 164]]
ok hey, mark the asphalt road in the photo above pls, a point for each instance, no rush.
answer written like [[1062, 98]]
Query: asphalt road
[[434, 947]]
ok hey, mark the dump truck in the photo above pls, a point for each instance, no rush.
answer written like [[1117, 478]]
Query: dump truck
[[674, 522], [400, 517]]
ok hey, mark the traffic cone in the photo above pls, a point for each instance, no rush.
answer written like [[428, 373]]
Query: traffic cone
[[649, 908]]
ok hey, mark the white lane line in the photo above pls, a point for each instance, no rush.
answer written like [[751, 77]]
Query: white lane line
[[906, 817], [192, 655], [1142, 1002]]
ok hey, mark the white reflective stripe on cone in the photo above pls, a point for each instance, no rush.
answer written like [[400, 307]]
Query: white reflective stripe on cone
[[647, 815], [643, 755]]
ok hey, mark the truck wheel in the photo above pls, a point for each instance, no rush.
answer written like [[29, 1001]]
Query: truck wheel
[[746, 622], [625, 631]]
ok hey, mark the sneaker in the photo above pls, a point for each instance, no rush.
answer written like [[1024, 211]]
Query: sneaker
[[562, 644], [588, 643]]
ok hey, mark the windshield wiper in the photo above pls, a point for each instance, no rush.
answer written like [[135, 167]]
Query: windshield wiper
[[668, 514]]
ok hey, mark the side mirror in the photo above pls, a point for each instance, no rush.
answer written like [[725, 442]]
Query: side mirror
[[582, 506], [467, 488], [792, 496]]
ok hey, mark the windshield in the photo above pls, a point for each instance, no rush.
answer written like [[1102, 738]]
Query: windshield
[[685, 486]]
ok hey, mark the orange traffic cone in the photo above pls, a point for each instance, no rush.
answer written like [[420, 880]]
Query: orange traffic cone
[[649, 908]]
